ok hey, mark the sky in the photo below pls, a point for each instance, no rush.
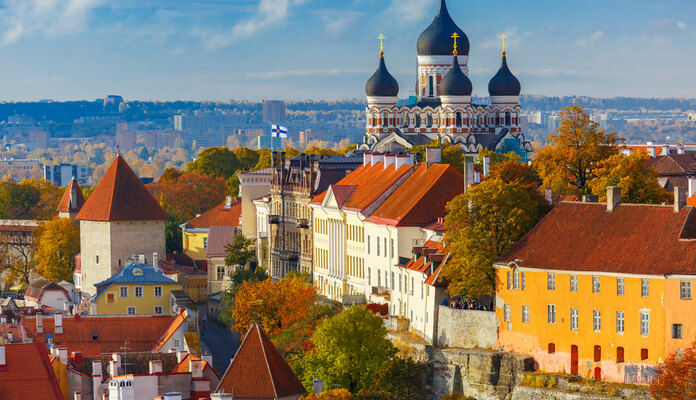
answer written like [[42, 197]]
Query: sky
[[220, 50]]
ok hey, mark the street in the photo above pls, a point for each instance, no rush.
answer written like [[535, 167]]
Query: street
[[217, 340]]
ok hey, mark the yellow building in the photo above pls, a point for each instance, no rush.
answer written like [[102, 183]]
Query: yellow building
[[601, 290], [195, 231], [137, 289]]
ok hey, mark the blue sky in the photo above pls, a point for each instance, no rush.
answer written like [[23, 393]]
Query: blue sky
[[326, 49]]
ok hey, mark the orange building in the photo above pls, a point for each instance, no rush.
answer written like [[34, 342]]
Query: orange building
[[602, 290]]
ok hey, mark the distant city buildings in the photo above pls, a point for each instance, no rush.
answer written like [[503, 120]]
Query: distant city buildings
[[274, 111], [61, 174]]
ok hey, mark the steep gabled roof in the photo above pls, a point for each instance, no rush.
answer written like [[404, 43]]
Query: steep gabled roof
[[218, 238], [121, 196], [675, 164], [28, 374], [258, 371], [632, 239], [422, 198], [142, 274], [37, 289], [176, 323], [64, 205], [219, 215], [342, 193]]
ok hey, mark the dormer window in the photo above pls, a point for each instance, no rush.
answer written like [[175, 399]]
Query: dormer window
[[137, 272]]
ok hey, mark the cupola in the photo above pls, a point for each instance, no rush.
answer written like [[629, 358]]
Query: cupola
[[435, 39]]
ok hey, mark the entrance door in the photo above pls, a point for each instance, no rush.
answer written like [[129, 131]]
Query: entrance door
[[597, 374], [574, 360]]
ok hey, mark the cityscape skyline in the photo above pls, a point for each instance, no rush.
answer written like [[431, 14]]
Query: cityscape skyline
[[307, 49]]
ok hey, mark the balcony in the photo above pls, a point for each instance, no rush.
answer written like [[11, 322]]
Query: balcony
[[274, 219], [303, 223]]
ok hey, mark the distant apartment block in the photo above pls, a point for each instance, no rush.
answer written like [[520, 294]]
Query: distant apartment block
[[20, 163], [125, 137], [274, 111], [61, 174], [205, 122]]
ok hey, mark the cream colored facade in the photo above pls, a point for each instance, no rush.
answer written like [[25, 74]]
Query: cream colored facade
[[339, 261], [263, 227], [252, 186], [106, 246]]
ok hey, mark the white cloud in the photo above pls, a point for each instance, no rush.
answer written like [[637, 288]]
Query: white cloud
[[681, 25], [409, 10], [514, 39], [593, 38], [267, 14], [304, 72], [22, 18], [336, 23]]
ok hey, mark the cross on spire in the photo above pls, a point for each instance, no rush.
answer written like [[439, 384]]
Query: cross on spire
[[503, 36], [381, 38], [455, 35]]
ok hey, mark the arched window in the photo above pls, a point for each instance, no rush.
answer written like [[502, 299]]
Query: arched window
[[497, 119], [431, 86], [507, 118], [418, 120], [430, 120], [385, 119], [458, 120], [406, 119]]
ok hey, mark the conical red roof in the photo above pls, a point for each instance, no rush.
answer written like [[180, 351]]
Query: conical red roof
[[258, 371], [121, 196], [64, 205]]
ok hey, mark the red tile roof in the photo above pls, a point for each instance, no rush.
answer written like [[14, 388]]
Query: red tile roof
[[370, 181], [632, 239], [219, 215], [437, 257], [28, 374], [184, 366], [422, 198], [179, 320], [141, 332], [37, 289], [121, 196], [258, 371], [64, 205]]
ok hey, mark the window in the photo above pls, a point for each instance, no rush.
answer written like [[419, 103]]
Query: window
[[205, 242], [368, 244], [97, 259], [369, 276], [685, 289], [620, 286], [412, 286], [377, 245], [385, 247], [644, 323], [574, 319], [620, 322], [220, 272], [676, 331], [405, 284], [176, 342], [392, 247], [551, 313], [379, 278], [509, 281], [158, 291], [399, 284], [596, 320], [551, 281], [506, 313], [595, 284], [525, 314], [522, 281], [123, 291], [552, 348], [422, 285], [110, 298], [515, 280], [619, 354], [597, 353], [158, 309], [131, 310], [138, 291], [644, 288], [573, 283], [392, 280], [643, 354]]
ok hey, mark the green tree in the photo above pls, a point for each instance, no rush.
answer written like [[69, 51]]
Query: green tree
[[480, 226], [573, 154], [56, 243], [638, 181], [18, 201], [265, 159], [246, 158], [240, 251], [215, 161], [348, 349], [398, 379]]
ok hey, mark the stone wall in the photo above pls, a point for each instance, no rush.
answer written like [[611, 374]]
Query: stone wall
[[536, 393], [466, 328]]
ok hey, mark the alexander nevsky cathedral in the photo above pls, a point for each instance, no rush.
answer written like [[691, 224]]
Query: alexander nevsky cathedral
[[442, 107]]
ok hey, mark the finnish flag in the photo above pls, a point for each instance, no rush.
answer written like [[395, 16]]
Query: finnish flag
[[279, 131]]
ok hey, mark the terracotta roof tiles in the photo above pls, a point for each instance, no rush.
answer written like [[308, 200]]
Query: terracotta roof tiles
[[64, 205], [28, 374], [121, 196], [219, 215], [632, 239]]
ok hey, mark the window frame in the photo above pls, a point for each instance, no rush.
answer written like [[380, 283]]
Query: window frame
[[121, 290], [596, 284], [620, 286], [677, 331], [525, 314], [550, 281], [684, 287], [574, 319], [597, 320], [161, 291], [161, 311], [573, 283], [645, 323], [129, 308], [551, 313], [644, 288], [507, 313], [138, 289], [620, 322]]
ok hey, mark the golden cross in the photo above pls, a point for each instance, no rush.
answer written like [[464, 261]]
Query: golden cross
[[455, 35], [381, 38], [503, 36]]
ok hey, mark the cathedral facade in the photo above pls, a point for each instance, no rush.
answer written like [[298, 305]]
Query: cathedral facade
[[442, 108]]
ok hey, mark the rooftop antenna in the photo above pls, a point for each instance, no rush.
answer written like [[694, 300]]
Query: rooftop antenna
[[124, 350]]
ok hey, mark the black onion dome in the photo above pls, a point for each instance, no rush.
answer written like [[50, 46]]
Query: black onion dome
[[504, 83], [455, 83], [382, 83], [436, 39]]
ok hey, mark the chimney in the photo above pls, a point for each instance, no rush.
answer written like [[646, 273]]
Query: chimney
[[433, 155], [58, 323], [403, 159], [180, 355], [155, 367], [679, 198], [96, 368], [3, 359], [63, 355], [141, 258], [228, 201], [196, 367], [72, 200], [377, 158], [613, 197], [77, 396], [39, 323], [10, 337], [389, 159], [113, 369], [318, 386], [548, 195], [3, 320], [486, 165], [590, 198], [367, 158], [207, 358], [155, 261], [76, 357]]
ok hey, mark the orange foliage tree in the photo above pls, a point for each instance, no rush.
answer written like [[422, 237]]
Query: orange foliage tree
[[333, 394], [189, 194], [286, 309], [676, 377]]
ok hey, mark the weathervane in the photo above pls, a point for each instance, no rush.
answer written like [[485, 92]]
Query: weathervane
[[455, 35], [503, 36], [381, 38]]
